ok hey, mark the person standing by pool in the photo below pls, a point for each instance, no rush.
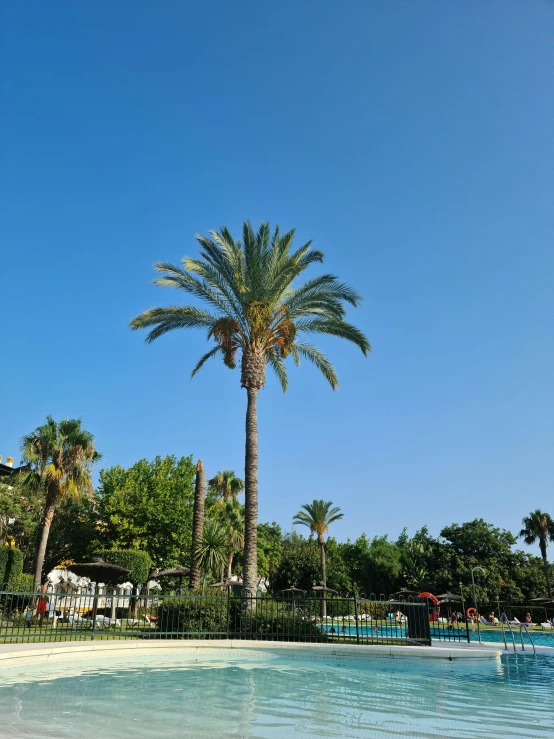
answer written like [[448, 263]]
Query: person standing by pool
[[42, 609]]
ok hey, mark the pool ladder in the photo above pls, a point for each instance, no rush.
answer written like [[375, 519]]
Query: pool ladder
[[504, 620]]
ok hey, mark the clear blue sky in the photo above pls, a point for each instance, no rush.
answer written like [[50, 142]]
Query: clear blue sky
[[410, 140]]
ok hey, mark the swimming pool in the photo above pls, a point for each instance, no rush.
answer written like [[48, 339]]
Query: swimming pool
[[541, 638], [260, 694]]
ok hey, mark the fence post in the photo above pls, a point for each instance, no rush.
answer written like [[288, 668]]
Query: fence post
[[228, 610], [356, 618], [94, 609]]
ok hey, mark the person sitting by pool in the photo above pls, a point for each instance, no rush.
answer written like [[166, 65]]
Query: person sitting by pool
[[492, 618], [528, 619], [398, 617]]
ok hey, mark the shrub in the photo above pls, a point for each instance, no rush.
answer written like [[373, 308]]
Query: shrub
[[277, 626], [11, 568], [138, 562], [195, 616], [24, 584], [192, 614]]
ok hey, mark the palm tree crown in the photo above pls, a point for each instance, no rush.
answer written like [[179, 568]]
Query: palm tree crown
[[226, 485], [60, 456], [539, 526], [318, 516], [253, 306]]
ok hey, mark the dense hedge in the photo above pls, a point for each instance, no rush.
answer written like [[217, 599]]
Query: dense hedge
[[138, 562], [216, 616], [11, 568], [193, 615], [24, 584]]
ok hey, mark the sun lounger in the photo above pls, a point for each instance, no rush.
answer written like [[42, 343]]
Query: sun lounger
[[484, 621], [546, 625]]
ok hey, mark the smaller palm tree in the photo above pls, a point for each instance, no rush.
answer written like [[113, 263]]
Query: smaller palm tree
[[234, 523], [226, 486], [212, 554], [60, 458], [318, 516], [539, 526]]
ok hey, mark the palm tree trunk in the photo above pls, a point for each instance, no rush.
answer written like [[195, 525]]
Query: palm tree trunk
[[546, 569], [46, 524], [323, 576], [197, 524], [250, 575], [229, 564]]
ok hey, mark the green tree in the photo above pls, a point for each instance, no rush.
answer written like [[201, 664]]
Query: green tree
[[225, 486], [197, 524], [148, 506], [479, 543], [230, 514], [318, 516], [270, 546], [73, 535], [383, 567], [60, 456], [539, 526], [254, 309], [212, 555], [299, 565]]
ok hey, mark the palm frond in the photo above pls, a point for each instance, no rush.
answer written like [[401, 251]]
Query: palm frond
[[202, 360], [316, 357], [342, 329], [170, 318], [278, 366]]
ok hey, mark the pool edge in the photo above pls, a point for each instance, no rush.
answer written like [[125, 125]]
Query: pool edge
[[75, 650]]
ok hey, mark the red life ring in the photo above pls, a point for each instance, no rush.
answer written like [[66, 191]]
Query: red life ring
[[471, 613], [434, 600]]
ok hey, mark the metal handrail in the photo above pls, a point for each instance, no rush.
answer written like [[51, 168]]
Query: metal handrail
[[523, 626], [511, 632]]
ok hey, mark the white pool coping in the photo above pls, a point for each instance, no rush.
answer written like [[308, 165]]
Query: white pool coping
[[10, 653]]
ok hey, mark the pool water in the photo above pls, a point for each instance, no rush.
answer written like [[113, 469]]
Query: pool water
[[257, 694], [541, 638]]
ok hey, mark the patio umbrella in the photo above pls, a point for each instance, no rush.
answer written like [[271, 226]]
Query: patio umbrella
[[323, 589], [178, 571], [293, 590], [98, 571], [450, 598], [543, 602]]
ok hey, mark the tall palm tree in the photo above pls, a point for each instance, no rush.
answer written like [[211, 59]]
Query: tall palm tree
[[318, 516], [255, 310], [226, 486], [60, 456], [539, 526], [197, 525]]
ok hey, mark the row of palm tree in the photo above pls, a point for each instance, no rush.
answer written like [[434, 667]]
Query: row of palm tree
[[59, 458]]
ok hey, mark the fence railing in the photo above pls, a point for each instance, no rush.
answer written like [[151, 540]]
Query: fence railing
[[37, 617]]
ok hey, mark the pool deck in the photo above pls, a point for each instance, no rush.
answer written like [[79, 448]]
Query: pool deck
[[78, 650]]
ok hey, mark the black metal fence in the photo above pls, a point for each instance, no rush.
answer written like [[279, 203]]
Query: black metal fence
[[37, 617]]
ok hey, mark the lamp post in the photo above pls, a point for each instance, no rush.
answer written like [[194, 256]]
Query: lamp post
[[478, 567], [464, 610]]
